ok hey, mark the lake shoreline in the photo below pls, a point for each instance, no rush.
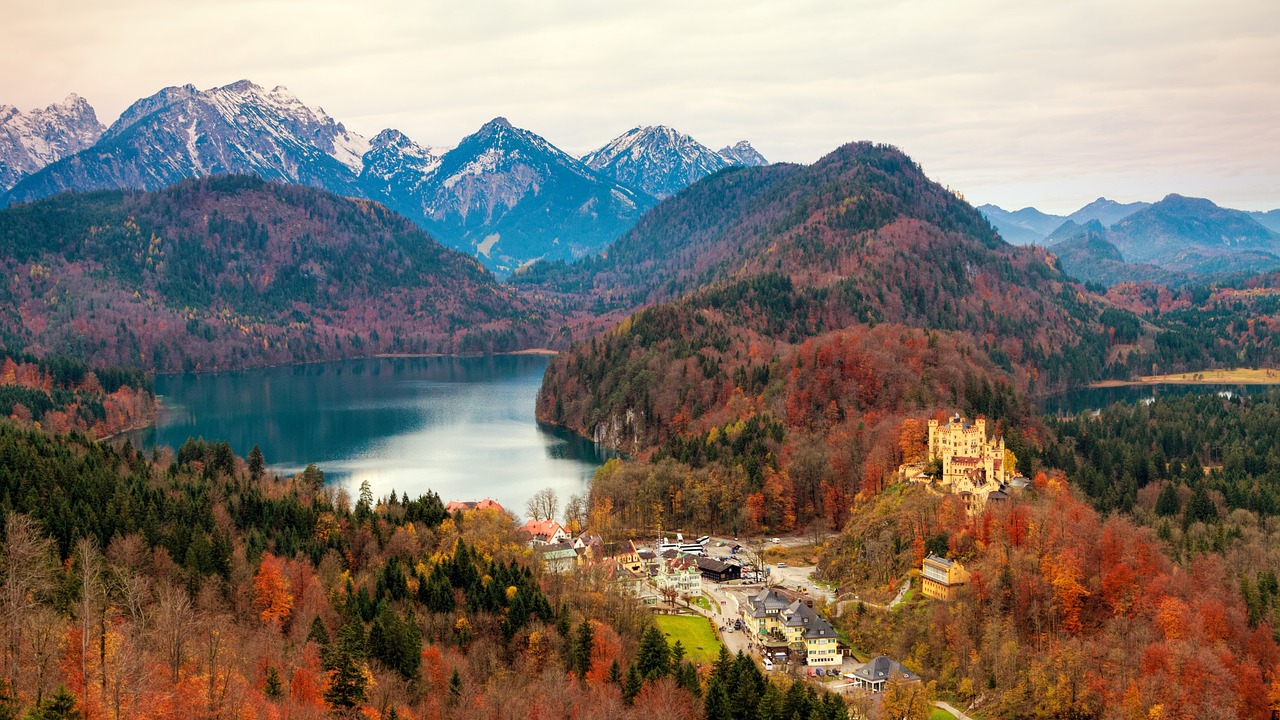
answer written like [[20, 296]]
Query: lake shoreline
[[1235, 376]]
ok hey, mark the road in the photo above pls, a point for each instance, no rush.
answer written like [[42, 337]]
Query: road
[[953, 711]]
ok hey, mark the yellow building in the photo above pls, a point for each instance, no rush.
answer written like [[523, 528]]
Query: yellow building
[[806, 633], [941, 578], [972, 465]]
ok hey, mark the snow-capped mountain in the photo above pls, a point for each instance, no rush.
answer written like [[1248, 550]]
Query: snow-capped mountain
[[503, 194], [510, 196], [182, 132], [741, 153], [396, 166], [30, 141], [657, 159]]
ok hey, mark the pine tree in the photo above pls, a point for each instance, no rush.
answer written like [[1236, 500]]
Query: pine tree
[[271, 686], [715, 705], [615, 672], [318, 634], [582, 649], [455, 688], [346, 661], [1168, 504], [631, 686], [256, 463], [60, 706], [653, 657]]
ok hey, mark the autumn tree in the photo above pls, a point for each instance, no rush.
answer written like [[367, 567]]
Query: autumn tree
[[271, 594]]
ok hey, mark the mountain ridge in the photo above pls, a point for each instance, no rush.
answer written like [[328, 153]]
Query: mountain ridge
[[234, 271], [33, 140]]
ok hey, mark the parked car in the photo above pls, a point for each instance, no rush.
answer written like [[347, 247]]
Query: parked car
[[776, 541], [768, 665], [782, 564]]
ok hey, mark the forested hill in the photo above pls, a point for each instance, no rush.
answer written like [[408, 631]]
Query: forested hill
[[823, 312], [235, 271], [864, 213]]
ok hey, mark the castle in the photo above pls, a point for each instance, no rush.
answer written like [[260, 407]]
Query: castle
[[972, 465]]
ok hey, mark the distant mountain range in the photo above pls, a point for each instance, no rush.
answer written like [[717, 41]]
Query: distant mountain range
[[503, 194], [1171, 242]]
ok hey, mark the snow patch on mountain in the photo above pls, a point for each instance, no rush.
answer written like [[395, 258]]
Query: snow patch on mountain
[[655, 159], [30, 141], [743, 154]]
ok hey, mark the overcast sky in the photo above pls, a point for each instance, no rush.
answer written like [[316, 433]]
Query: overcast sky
[[1049, 103]]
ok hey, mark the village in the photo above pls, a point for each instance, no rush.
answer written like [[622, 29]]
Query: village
[[736, 592]]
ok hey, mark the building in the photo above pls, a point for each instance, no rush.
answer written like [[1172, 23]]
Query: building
[[619, 575], [772, 616], [679, 573], [718, 570], [558, 557], [545, 532], [941, 578], [807, 632], [455, 506], [874, 675], [972, 465], [627, 555]]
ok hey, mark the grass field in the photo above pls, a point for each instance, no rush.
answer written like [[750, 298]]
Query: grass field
[[940, 714], [694, 632], [1234, 376]]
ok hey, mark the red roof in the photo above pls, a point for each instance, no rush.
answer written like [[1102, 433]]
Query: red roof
[[542, 529], [485, 504]]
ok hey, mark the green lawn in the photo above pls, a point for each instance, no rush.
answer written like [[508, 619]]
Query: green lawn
[[940, 714], [694, 632]]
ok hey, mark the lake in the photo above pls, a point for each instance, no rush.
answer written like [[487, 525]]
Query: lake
[[463, 427], [1087, 399]]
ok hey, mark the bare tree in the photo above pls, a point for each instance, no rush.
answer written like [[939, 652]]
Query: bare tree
[[575, 511], [543, 505], [173, 620], [28, 574], [88, 563], [46, 634]]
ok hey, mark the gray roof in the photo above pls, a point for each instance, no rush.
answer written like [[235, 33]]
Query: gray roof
[[882, 668], [940, 560], [798, 614], [764, 601], [712, 564]]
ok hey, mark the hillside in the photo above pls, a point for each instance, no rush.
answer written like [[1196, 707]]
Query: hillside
[[1084, 253], [235, 271], [820, 308], [1194, 234], [796, 320], [862, 230]]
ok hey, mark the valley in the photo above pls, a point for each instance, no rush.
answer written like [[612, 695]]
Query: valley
[[343, 335]]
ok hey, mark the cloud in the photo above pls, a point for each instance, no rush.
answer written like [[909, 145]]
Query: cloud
[[1010, 102]]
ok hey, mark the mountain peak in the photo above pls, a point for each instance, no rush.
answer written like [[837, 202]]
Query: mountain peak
[[742, 153], [31, 141], [498, 122], [657, 159], [243, 86]]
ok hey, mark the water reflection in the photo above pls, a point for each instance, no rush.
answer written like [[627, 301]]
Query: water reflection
[[461, 426]]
